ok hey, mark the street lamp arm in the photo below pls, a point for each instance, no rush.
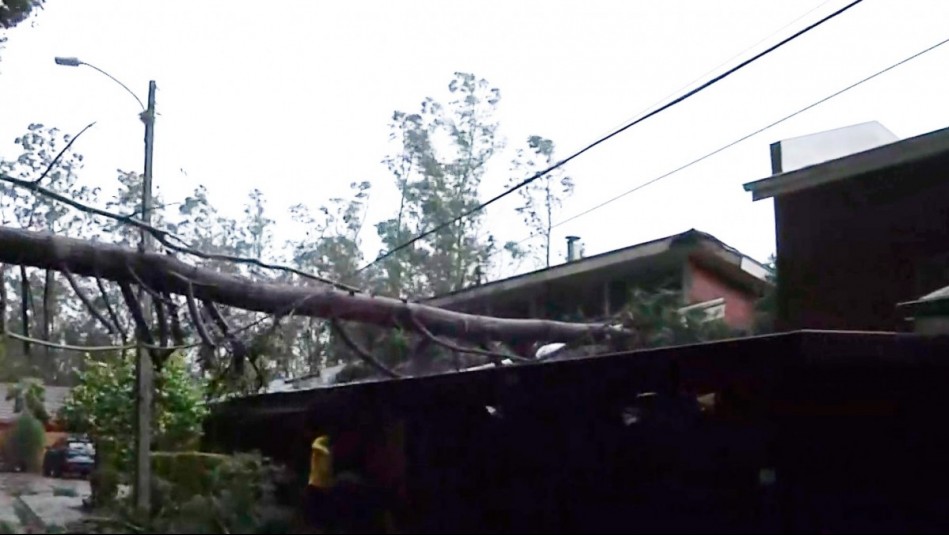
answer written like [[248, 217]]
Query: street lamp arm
[[114, 79], [75, 62]]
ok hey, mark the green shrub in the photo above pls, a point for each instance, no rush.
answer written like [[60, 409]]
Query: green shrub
[[196, 492], [188, 472], [25, 443]]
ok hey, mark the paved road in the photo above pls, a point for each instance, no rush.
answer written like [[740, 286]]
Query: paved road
[[55, 502]]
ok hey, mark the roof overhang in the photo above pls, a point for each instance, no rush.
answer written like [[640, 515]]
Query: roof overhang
[[708, 365], [691, 243], [900, 153], [934, 303]]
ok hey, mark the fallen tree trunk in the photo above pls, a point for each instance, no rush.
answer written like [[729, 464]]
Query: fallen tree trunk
[[164, 273]]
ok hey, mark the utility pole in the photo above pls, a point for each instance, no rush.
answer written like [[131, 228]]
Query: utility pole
[[144, 372]]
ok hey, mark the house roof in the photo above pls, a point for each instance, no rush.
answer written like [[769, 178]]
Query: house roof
[[705, 366], [901, 153], [689, 241], [54, 399], [933, 303]]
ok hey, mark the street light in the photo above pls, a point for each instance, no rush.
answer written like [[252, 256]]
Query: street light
[[143, 364], [75, 62]]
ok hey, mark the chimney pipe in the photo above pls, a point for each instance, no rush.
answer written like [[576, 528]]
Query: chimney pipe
[[572, 251]]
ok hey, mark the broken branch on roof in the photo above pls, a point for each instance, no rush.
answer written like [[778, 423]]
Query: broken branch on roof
[[495, 356]]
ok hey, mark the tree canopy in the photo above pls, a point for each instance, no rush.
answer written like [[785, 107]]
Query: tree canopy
[[13, 12], [440, 154]]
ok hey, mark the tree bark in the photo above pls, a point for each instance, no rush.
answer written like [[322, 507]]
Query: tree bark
[[164, 273], [25, 308], [3, 298], [47, 312]]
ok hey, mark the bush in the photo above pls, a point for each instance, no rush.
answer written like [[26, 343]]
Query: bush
[[196, 492], [657, 318], [189, 472], [101, 406], [26, 442]]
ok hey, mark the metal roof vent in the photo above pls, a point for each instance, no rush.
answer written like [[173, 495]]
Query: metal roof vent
[[573, 248]]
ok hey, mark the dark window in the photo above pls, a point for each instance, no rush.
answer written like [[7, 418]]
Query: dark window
[[618, 292]]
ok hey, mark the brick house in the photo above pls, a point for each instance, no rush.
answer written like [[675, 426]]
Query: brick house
[[708, 273]]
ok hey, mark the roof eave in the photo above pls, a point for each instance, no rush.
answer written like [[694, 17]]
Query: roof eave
[[887, 156], [691, 240], [561, 271]]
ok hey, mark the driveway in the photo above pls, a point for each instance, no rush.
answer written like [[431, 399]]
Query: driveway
[[28, 499]]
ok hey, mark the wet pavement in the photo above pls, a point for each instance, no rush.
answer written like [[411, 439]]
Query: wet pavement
[[54, 502]]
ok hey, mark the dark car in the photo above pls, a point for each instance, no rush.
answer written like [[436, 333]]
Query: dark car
[[71, 455]]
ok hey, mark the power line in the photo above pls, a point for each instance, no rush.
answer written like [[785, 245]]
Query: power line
[[722, 64], [745, 137], [611, 135]]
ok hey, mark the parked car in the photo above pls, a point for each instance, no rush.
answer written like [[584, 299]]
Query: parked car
[[70, 455]]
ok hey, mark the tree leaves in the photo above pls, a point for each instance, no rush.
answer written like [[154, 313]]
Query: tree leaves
[[39, 146], [29, 395], [99, 405], [12, 12], [441, 158], [542, 198]]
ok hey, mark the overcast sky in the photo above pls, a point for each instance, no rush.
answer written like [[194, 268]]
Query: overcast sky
[[295, 97]]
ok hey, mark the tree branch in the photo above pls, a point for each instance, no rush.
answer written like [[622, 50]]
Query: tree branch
[[260, 377], [141, 284], [111, 262], [161, 318], [493, 355], [196, 318], [217, 317], [164, 236], [25, 309], [89, 349], [87, 302], [3, 298], [238, 349], [362, 353], [47, 305], [177, 334], [141, 326], [60, 154], [112, 314], [67, 347]]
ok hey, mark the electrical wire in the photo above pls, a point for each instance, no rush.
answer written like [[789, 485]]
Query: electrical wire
[[743, 138], [722, 64], [611, 135]]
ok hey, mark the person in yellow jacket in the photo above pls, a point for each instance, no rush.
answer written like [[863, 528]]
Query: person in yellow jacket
[[343, 500], [319, 487]]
